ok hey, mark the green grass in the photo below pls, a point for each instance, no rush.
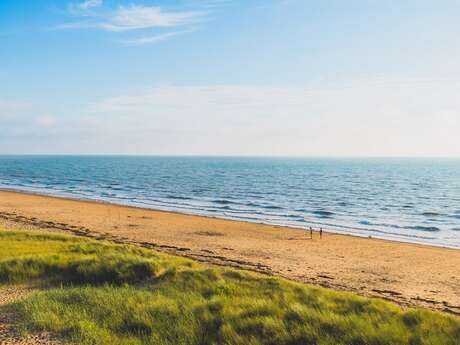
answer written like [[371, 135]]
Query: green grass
[[114, 294], [68, 260]]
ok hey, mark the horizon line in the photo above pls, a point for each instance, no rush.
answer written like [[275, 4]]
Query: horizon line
[[227, 156]]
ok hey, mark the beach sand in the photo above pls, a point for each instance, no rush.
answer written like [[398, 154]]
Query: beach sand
[[408, 274]]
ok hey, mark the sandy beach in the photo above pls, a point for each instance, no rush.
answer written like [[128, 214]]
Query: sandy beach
[[408, 274]]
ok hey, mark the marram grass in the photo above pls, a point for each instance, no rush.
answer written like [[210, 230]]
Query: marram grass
[[116, 294]]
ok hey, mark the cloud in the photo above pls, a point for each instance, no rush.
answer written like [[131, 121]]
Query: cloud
[[366, 118], [142, 17], [85, 8], [361, 118], [225, 98], [137, 17], [46, 121], [90, 4], [9, 109], [152, 39]]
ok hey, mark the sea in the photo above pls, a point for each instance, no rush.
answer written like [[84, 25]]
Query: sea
[[412, 200]]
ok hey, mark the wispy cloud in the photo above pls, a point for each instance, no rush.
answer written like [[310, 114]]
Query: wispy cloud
[[142, 17], [90, 4], [21, 115], [92, 14], [138, 17], [10, 108], [46, 121], [152, 39], [370, 118], [378, 117], [84, 8]]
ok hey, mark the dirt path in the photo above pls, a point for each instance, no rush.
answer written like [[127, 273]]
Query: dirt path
[[8, 333], [407, 274]]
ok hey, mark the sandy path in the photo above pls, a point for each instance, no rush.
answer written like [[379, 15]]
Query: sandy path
[[409, 274], [8, 334]]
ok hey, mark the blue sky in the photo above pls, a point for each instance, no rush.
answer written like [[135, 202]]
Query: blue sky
[[224, 77]]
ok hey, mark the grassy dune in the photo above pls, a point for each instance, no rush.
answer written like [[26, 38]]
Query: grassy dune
[[112, 294]]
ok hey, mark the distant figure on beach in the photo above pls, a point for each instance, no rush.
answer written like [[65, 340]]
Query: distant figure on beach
[[311, 232], [320, 232]]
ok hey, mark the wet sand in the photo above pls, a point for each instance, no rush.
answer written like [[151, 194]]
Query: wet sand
[[408, 274]]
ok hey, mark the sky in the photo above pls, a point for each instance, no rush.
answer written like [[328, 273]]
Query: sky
[[230, 77]]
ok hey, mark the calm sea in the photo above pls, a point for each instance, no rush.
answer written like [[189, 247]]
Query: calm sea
[[415, 200]]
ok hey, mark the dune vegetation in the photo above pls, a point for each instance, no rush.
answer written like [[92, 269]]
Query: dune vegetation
[[94, 292]]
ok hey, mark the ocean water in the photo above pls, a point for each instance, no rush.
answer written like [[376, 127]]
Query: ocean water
[[413, 200]]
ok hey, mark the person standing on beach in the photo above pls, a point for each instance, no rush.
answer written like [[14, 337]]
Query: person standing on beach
[[311, 233], [320, 232]]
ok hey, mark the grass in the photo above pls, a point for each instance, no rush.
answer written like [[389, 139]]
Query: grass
[[70, 260], [116, 294]]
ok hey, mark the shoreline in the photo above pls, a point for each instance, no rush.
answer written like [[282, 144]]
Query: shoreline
[[326, 229], [406, 273]]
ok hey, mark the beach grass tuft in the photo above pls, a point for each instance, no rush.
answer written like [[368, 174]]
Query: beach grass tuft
[[103, 293], [65, 260]]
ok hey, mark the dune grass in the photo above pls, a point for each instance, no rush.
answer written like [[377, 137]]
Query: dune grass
[[65, 260], [116, 294]]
